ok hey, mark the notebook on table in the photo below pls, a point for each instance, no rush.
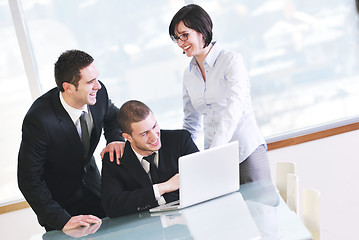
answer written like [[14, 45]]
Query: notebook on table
[[206, 175]]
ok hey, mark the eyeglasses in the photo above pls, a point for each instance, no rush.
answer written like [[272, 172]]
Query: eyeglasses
[[183, 37]]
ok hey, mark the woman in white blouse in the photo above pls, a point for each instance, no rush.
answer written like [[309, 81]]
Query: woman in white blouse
[[216, 86]]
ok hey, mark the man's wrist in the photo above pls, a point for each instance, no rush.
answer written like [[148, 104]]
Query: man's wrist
[[159, 198], [162, 189], [156, 191]]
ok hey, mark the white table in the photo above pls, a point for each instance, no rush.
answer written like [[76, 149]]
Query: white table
[[215, 219]]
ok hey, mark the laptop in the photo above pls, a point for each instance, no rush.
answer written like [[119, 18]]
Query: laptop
[[206, 175]]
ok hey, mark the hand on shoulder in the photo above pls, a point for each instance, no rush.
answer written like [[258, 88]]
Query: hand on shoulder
[[114, 147]]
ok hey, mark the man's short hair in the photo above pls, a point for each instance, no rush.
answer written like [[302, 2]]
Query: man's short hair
[[68, 66], [131, 112]]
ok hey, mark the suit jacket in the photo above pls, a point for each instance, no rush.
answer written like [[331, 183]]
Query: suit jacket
[[127, 188], [52, 168]]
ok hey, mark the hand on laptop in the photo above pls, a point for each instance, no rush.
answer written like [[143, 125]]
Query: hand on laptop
[[171, 185]]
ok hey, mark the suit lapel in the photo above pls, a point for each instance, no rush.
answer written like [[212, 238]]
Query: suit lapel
[[134, 167], [65, 121], [96, 130], [165, 152]]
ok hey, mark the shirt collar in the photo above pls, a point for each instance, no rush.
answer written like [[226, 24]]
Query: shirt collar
[[73, 112], [213, 54], [139, 156], [211, 57]]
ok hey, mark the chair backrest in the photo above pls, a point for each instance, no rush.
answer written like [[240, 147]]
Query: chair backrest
[[282, 170], [310, 211], [292, 192]]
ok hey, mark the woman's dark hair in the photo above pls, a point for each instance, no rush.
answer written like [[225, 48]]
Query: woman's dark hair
[[196, 18], [68, 66]]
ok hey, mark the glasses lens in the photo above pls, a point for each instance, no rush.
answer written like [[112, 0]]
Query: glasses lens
[[183, 37]]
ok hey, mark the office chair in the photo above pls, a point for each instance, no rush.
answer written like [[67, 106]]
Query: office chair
[[282, 170], [292, 192], [310, 211]]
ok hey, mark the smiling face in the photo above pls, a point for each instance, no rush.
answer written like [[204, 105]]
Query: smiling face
[[85, 92], [145, 136], [193, 46]]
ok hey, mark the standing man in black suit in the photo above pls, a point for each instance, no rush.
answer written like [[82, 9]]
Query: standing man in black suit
[[57, 172], [138, 184]]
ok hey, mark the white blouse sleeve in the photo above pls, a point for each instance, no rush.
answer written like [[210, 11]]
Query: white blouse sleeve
[[237, 82]]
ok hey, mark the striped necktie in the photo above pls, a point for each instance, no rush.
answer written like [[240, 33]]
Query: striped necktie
[[85, 137]]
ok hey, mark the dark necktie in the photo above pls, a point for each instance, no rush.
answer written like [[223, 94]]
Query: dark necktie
[[153, 168], [85, 137]]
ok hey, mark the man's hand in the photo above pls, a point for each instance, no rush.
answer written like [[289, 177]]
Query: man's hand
[[114, 147], [82, 231], [171, 185], [81, 221]]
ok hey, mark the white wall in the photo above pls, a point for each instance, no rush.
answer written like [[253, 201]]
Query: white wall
[[20, 225], [330, 165]]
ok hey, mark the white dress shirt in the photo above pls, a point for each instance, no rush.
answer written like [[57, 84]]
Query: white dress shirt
[[146, 166], [223, 100], [75, 114]]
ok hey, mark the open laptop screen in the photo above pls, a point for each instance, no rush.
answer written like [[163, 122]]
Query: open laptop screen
[[209, 174]]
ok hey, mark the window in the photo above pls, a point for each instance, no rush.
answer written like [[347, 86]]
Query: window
[[15, 101], [130, 44], [302, 56]]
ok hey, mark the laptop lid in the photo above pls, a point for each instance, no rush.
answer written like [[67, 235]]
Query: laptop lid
[[208, 174]]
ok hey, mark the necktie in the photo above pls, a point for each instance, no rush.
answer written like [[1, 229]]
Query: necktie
[[153, 168], [85, 137]]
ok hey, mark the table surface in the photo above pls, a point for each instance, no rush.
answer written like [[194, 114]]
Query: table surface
[[219, 218]]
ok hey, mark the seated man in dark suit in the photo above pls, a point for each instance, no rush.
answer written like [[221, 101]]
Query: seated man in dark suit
[[138, 184]]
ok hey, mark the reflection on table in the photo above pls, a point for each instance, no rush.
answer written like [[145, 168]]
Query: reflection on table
[[220, 218]]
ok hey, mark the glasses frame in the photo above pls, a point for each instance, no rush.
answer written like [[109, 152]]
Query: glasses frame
[[183, 37]]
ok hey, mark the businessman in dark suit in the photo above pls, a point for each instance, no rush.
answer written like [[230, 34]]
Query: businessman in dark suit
[[138, 184], [57, 173]]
